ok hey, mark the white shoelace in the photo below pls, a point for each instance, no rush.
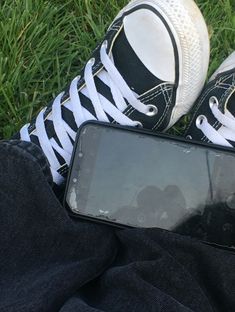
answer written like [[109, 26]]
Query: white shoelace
[[226, 131], [120, 91]]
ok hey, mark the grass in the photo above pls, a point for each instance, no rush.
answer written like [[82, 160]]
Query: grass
[[43, 45]]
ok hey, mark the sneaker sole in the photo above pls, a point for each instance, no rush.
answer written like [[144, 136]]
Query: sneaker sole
[[189, 29]]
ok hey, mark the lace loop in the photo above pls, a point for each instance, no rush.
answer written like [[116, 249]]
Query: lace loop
[[226, 131], [121, 93]]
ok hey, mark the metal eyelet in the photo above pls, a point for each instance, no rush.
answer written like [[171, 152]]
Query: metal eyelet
[[92, 61], [189, 137], [105, 44], [213, 101], [138, 124], [199, 121], [151, 110], [77, 78]]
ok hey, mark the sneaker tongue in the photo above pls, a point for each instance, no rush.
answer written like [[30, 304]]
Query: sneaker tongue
[[134, 72]]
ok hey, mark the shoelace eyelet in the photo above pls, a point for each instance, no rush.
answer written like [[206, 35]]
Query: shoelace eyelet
[[199, 121], [152, 110], [92, 61], [138, 124], [77, 78], [105, 44], [213, 101]]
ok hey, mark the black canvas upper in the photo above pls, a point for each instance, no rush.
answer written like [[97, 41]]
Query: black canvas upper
[[223, 88]]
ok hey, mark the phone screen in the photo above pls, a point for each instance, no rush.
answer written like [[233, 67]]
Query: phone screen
[[131, 178]]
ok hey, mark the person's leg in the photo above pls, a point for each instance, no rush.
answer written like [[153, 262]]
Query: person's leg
[[156, 270], [45, 256], [50, 262]]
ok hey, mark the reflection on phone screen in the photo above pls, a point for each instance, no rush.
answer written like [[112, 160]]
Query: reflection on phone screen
[[148, 181]]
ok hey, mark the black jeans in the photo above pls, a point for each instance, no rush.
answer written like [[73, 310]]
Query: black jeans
[[50, 262]]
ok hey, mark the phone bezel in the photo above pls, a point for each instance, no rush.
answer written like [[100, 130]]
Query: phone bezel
[[168, 137]]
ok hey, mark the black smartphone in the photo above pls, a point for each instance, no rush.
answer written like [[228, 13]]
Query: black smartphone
[[130, 177]]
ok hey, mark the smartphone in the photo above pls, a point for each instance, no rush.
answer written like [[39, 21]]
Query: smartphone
[[128, 177]]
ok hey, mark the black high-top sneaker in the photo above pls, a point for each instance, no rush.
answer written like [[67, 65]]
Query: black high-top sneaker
[[148, 71], [213, 117]]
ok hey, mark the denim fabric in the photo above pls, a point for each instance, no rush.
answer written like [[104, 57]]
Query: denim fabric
[[50, 262]]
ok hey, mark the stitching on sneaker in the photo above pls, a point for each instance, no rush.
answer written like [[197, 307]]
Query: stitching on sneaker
[[201, 101], [167, 103], [154, 95]]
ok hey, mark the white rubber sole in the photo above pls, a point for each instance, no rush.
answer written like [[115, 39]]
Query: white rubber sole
[[191, 36], [228, 64]]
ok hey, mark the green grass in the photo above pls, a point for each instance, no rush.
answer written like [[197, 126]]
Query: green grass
[[43, 45]]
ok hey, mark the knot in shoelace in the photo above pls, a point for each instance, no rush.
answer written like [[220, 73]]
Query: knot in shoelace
[[224, 133], [121, 93]]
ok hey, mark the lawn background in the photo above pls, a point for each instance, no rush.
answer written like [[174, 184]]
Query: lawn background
[[44, 44]]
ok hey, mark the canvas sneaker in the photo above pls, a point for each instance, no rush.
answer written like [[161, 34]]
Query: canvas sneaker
[[148, 71], [213, 116]]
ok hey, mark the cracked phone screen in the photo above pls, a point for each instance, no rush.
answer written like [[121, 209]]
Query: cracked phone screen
[[140, 180]]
